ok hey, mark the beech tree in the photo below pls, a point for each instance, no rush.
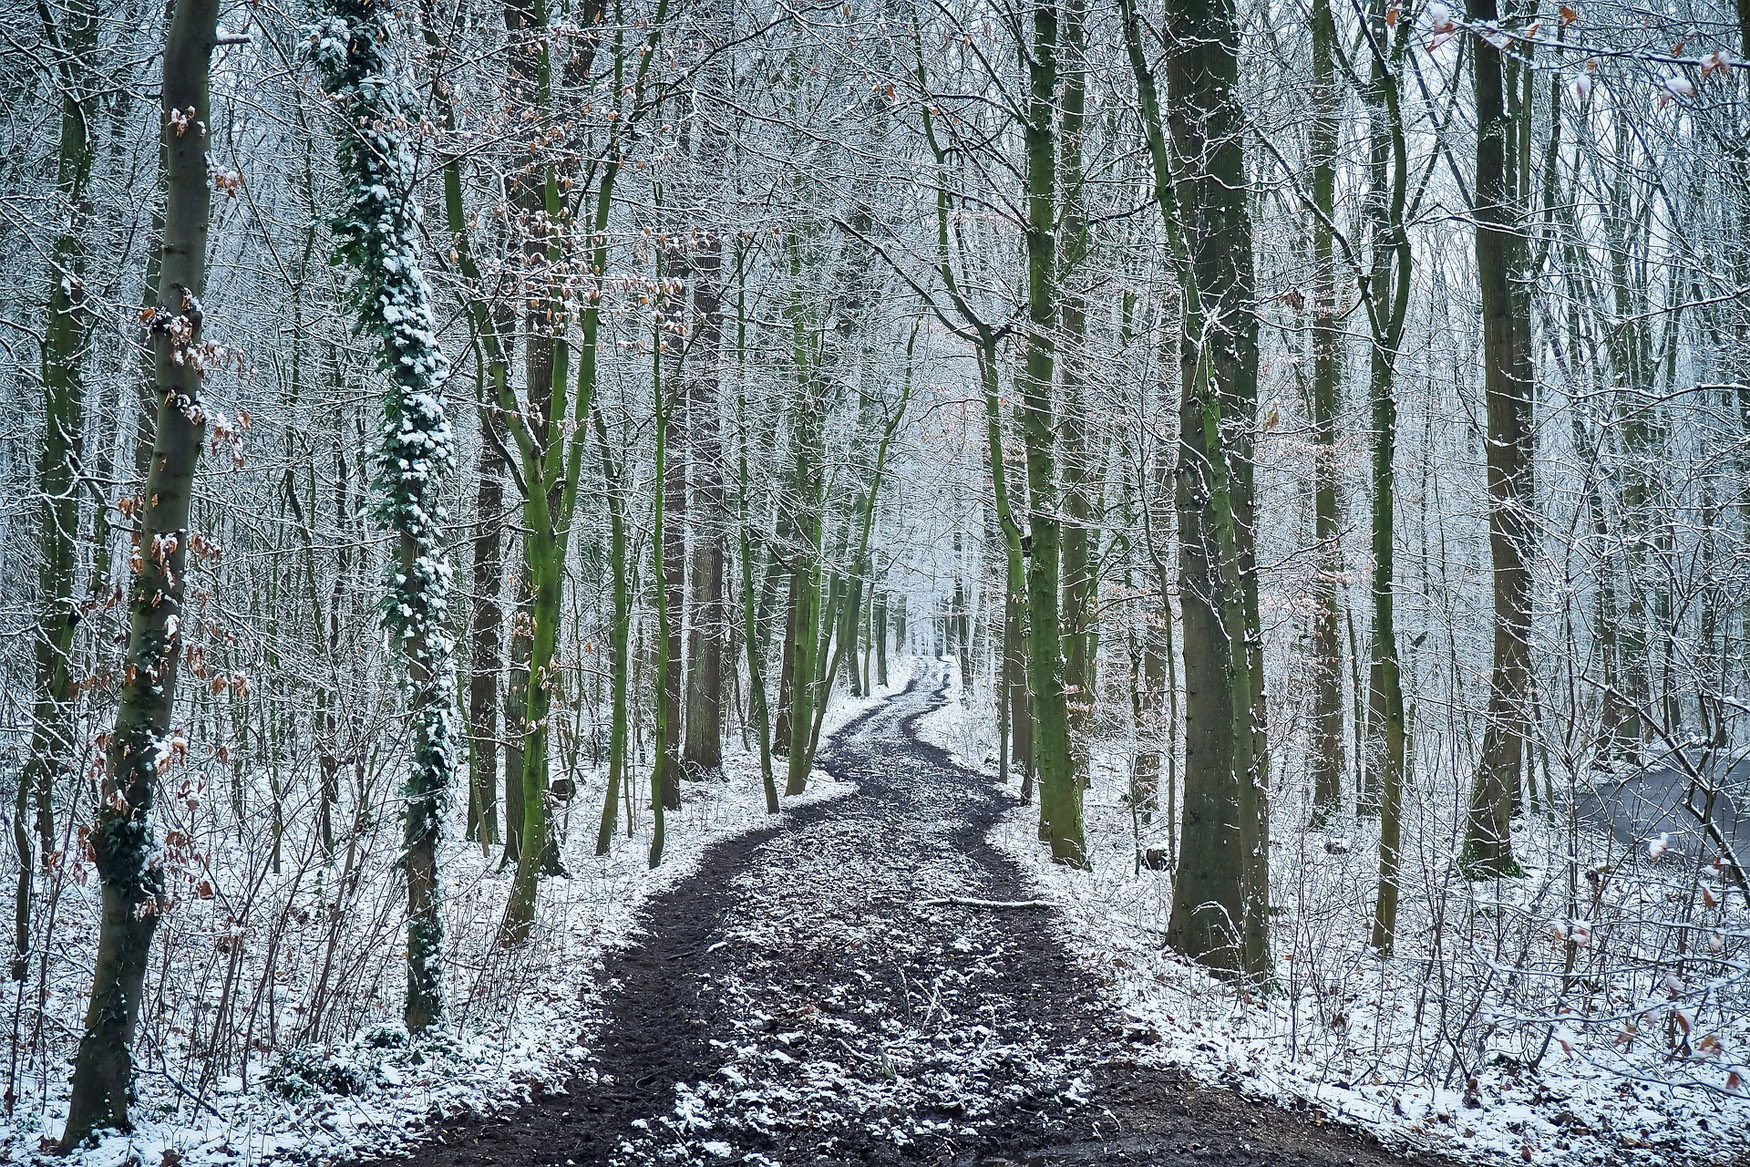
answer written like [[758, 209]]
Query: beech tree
[[142, 742], [1307, 442]]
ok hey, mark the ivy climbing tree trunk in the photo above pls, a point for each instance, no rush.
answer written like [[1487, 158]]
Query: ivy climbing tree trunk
[[376, 233], [142, 743]]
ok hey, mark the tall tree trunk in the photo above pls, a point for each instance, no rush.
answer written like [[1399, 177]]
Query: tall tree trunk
[[66, 334], [1220, 912], [1327, 656], [753, 633], [1079, 536], [665, 694], [671, 570], [805, 569], [620, 635], [1389, 290], [486, 663], [1502, 261], [122, 836], [377, 234], [709, 624], [1060, 802]]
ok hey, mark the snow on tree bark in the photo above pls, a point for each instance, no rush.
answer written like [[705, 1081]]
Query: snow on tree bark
[[376, 233]]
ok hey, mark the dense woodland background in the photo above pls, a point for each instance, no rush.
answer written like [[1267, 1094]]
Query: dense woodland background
[[1302, 421]]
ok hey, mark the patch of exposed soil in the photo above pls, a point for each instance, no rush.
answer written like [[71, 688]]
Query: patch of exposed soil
[[798, 1000]]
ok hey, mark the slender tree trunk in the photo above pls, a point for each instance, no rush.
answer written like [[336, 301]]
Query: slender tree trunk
[[753, 634], [66, 334], [709, 626], [620, 635], [671, 573], [665, 695], [1389, 289], [805, 593], [878, 634], [142, 742], [515, 715], [1327, 656], [1502, 261], [486, 663], [786, 668]]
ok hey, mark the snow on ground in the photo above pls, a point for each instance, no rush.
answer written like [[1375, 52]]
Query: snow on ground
[[846, 1012], [518, 1019], [1463, 1053]]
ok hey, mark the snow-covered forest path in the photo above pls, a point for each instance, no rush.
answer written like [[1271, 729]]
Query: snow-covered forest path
[[808, 997]]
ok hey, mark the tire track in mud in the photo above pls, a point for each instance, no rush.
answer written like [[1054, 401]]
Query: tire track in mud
[[795, 1001]]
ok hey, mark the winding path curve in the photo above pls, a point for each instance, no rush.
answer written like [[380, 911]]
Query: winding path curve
[[796, 1001]]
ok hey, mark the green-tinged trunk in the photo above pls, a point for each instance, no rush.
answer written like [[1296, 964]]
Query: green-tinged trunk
[[121, 840], [1060, 800], [542, 557], [755, 641], [1389, 291], [805, 612], [66, 334], [620, 637], [1079, 477], [1220, 913], [516, 704]]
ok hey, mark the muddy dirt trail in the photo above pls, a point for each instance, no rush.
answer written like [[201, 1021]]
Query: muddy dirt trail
[[801, 1000]]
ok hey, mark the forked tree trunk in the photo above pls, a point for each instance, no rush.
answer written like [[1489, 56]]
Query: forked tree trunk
[[142, 743], [1220, 912]]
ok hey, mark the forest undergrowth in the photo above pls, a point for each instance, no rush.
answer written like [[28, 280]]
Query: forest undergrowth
[[273, 1033], [1468, 1041]]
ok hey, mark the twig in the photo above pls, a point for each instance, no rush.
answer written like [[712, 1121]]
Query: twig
[[963, 902]]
